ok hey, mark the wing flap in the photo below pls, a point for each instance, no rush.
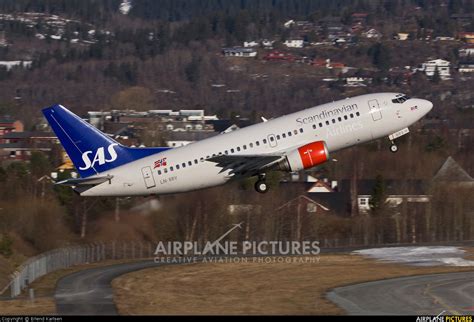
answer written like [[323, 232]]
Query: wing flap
[[244, 164]]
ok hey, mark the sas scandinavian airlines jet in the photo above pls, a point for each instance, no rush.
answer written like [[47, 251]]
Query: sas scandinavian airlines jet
[[292, 142]]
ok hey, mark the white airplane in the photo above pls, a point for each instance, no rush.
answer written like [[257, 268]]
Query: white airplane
[[292, 142]]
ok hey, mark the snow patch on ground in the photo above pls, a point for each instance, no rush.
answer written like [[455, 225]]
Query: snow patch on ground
[[419, 256], [125, 7]]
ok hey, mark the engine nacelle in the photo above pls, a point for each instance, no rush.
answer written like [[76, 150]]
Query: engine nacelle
[[305, 157]]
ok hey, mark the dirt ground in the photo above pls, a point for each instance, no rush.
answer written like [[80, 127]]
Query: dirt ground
[[252, 288]]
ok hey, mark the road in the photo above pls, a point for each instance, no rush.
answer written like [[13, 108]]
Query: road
[[451, 293], [89, 292]]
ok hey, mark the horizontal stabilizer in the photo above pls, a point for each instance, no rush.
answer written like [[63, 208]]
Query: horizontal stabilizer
[[91, 181]]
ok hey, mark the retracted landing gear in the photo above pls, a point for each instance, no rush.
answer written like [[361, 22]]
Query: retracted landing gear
[[261, 185]]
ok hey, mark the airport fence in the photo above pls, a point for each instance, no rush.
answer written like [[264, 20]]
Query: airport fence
[[66, 257]]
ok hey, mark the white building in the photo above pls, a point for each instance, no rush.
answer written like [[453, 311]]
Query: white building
[[466, 51], [267, 43], [289, 24], [252, 43], [294, 43], [443, 67], [372, 34], [239, 52], [466, 67]]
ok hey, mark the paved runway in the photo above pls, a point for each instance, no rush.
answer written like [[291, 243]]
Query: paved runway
[[452, 293], [89, 292]]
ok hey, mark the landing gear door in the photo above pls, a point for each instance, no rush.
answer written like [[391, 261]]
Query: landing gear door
[[148, 177], [375, 110]]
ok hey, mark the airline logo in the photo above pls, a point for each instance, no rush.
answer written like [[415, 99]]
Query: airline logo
[[100, 157], [160, 163]]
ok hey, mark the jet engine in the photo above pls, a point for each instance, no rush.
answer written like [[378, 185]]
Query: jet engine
[[305, 157]]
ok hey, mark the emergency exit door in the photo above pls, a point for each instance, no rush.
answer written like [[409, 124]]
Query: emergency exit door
[[375, 110], [148, 177]]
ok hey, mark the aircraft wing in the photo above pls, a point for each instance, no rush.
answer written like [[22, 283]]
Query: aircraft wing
[[245, 164], [93, 181]]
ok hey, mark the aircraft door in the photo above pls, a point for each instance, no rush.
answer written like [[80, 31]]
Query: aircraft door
[[375, 110], [272, 141], [148, 177]]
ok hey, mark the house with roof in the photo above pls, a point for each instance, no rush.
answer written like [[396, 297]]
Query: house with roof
[[239, 52], [467, 51], [20, 145], [467, 37], [372, 34], [466, 67], [279, 56], [451, 173], [8, 125], [442, 66], [294, 43]]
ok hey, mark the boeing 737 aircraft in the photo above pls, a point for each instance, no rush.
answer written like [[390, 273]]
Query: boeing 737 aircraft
[[292, 142]]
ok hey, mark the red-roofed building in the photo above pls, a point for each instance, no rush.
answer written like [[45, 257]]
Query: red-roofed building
[[279, 56]]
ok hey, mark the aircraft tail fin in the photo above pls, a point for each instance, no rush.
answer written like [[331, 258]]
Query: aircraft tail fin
[[91, 151]]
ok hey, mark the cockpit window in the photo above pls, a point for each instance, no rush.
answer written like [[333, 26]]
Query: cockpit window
[[400, 98]]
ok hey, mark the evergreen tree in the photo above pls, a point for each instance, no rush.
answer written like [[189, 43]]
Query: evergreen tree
[[377, 199]]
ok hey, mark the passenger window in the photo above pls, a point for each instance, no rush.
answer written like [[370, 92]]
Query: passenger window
[[159, 172], [238, 148], [333, 121], [295, 131], [251, 145], [283, 135], [314, 126], [339, 119], [357, 113], [264, 141], [320, 124], [289, 134], [226, 152], [183, 164], [345, 117], [244, 147], [232, 150], [165, 170], [257, 143], [195, 161], [177, 167], [272, 138], [301, 130], [327, 122], [352, 115], [171, 169], [190, 163]]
